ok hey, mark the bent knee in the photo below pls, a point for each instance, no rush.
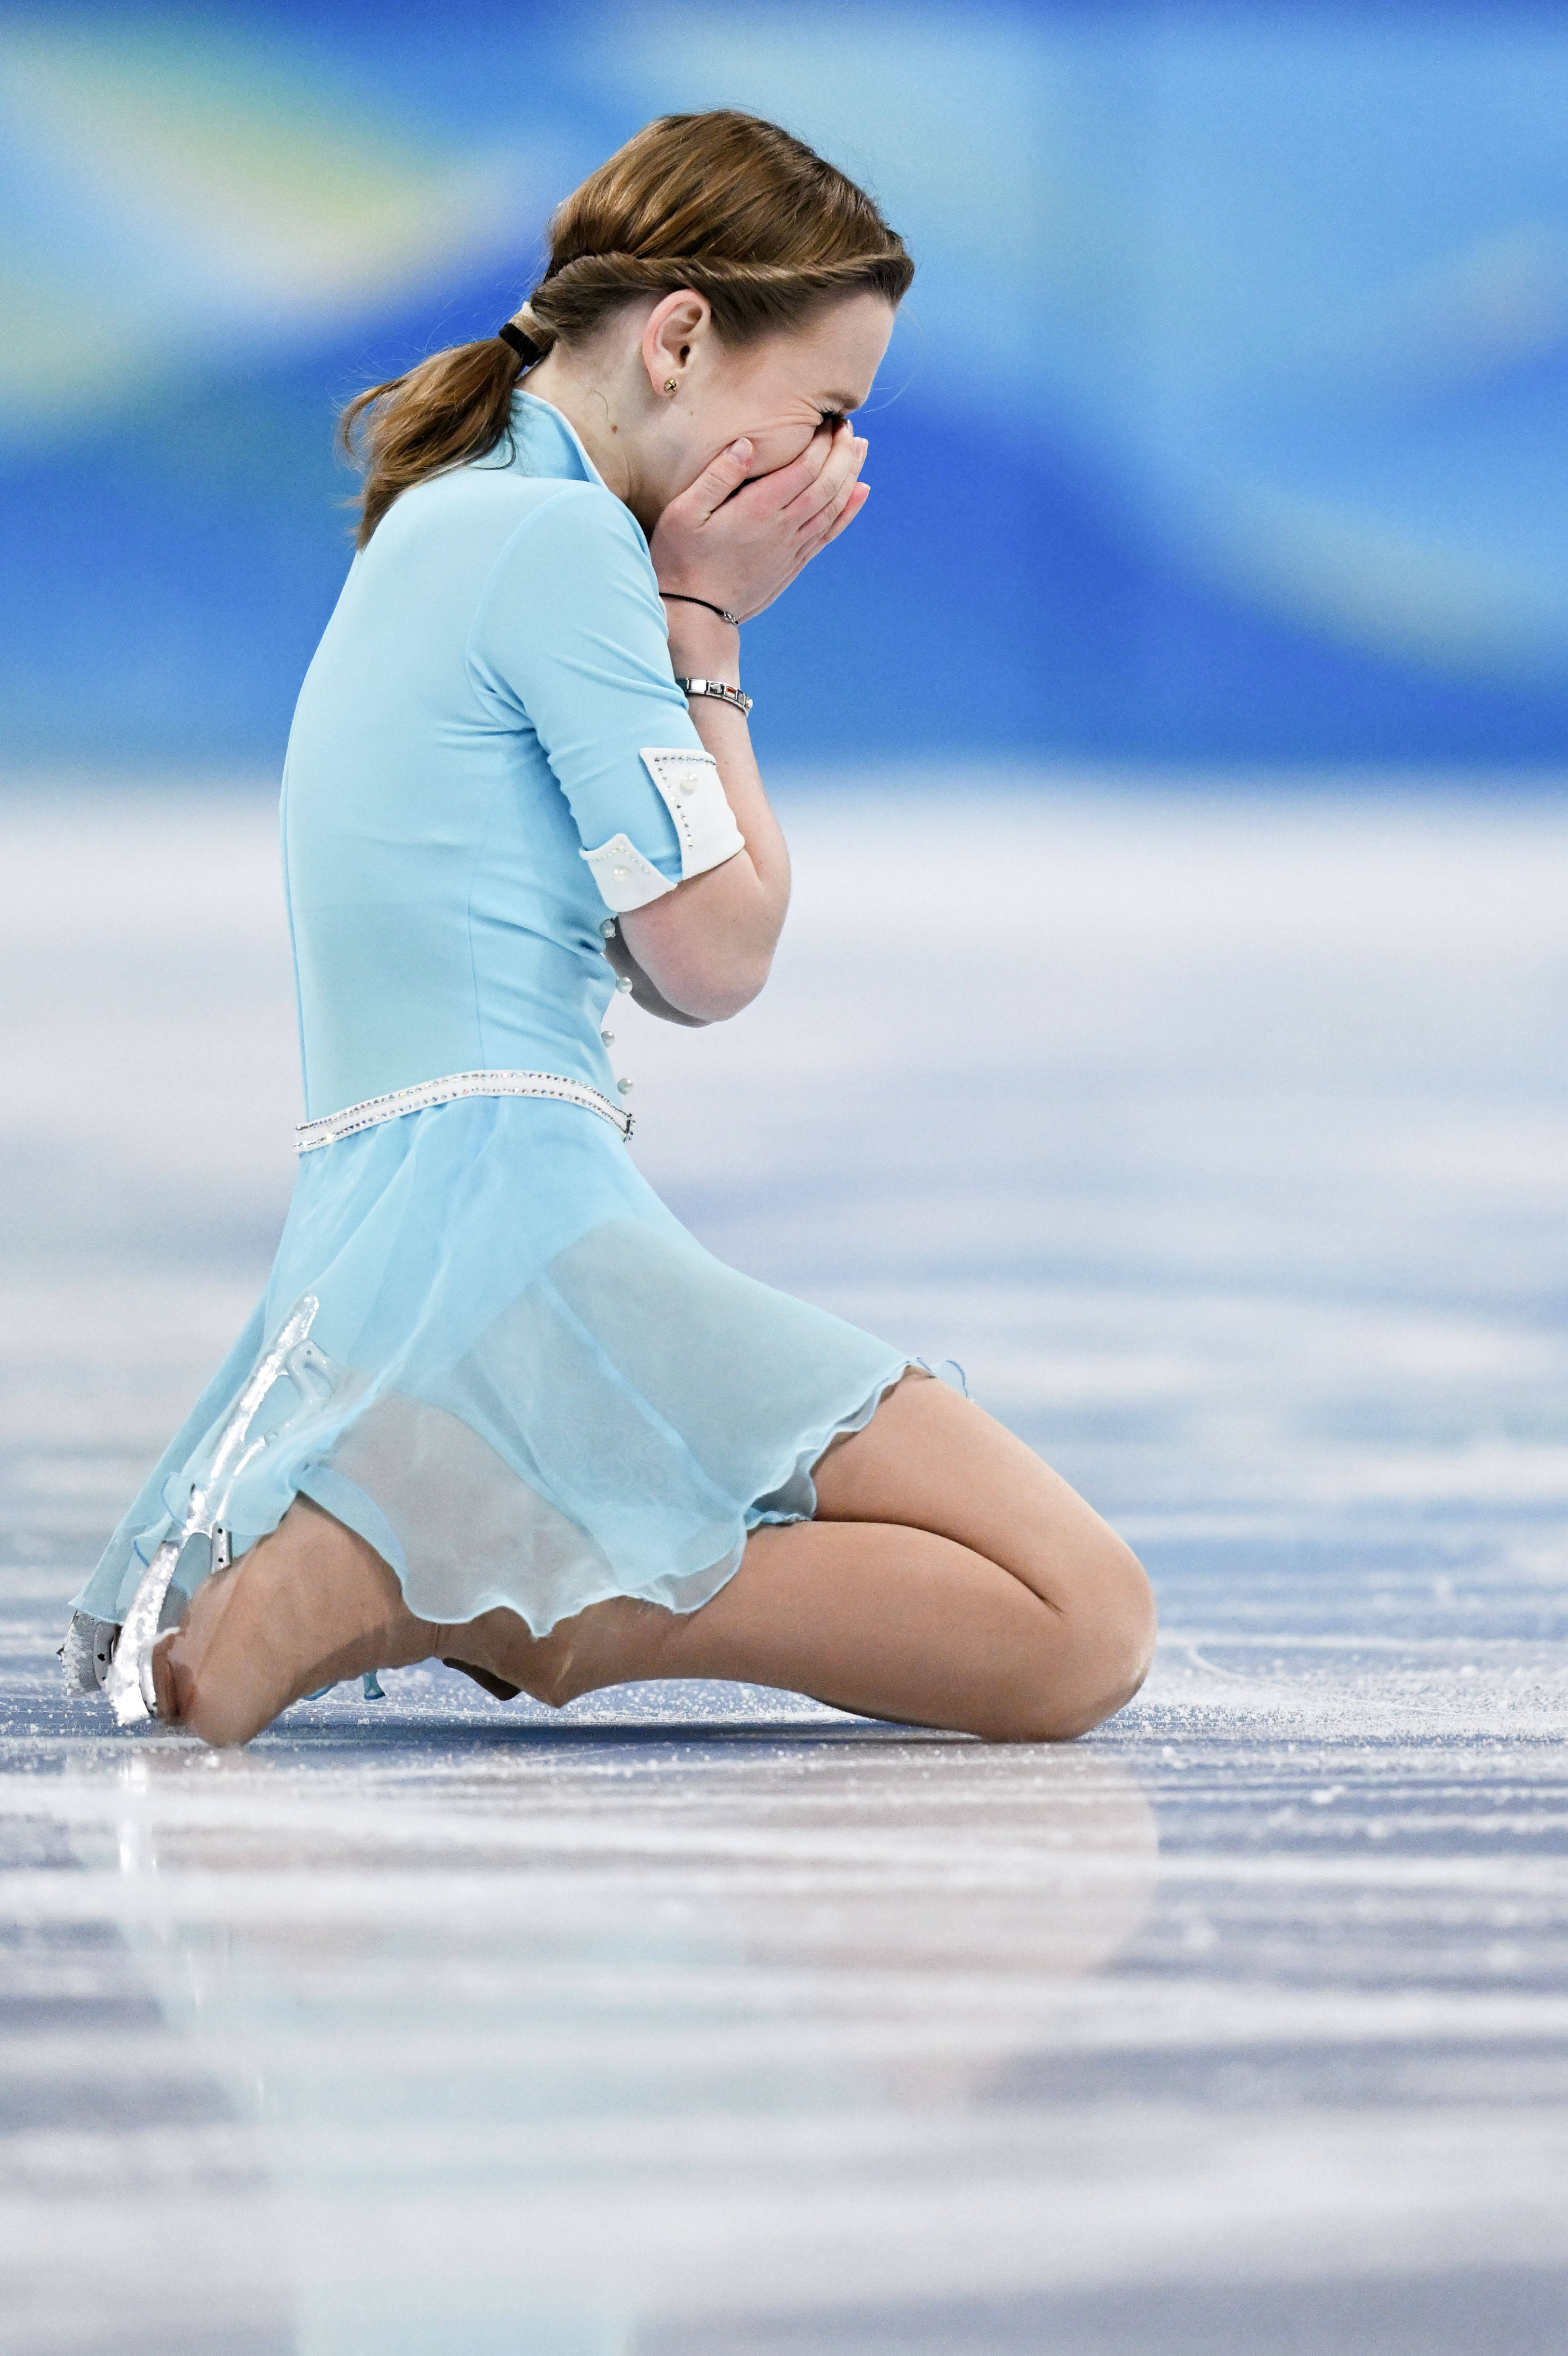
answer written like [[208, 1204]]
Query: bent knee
[[197, 1704], [1097, 1656], [214, 1719]]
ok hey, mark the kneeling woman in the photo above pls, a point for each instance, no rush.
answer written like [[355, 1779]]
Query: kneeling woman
[[497, 1407]]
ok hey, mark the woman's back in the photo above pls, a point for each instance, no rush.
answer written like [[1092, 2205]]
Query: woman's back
[[441, 916]]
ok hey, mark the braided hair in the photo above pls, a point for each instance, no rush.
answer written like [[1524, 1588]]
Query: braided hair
[[732, 207]]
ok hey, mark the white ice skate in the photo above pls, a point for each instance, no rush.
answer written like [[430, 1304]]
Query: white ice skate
[[121, 1660]]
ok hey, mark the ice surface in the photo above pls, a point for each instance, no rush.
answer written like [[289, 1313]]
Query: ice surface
[[1222, 1140]]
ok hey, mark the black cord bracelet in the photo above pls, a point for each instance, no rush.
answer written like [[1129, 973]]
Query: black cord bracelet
[[677, 597]]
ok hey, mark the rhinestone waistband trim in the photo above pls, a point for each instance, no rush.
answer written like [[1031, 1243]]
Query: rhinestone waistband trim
[[310, 1134]]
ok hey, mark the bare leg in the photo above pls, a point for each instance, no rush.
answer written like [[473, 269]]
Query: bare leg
[[950, 1580], [304, 1607]]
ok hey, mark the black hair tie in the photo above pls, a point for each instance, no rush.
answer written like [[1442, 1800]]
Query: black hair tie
[[524, 346]]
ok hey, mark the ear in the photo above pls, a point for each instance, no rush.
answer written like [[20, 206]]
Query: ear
[[676, 326]]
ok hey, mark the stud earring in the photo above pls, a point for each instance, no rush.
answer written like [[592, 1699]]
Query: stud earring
[[669, 384]]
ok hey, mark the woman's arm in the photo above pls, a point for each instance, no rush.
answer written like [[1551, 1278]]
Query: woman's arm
[[705, 949], [625, 967]]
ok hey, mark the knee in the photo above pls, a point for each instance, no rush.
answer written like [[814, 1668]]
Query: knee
[[1093, 1661], [199, 1704], [215, 1719]]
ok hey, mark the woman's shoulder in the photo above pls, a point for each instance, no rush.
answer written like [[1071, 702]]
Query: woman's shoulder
[[482, 535], [569, 543], [492, 505]]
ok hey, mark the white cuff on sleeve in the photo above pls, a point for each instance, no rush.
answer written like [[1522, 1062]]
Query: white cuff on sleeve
[[625, 879], [689, 784]]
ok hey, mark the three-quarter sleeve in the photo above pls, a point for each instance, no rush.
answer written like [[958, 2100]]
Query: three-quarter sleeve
[[569, 639]]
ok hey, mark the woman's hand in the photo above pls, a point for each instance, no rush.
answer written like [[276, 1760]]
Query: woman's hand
[[739, 543]]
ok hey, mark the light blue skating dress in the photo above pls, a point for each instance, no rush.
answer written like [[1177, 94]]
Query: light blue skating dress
[[522, 1381]]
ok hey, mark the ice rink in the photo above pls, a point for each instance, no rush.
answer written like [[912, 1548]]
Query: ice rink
[[1222, 1137]]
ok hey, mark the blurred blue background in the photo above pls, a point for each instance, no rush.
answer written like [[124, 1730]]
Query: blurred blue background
[[1226, 424]]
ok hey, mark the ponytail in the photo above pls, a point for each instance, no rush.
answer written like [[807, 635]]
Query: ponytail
[[452, 408]]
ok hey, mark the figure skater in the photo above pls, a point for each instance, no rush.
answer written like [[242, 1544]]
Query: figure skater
[[496, 1406]]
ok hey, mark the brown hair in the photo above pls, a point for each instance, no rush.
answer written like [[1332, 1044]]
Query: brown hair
[[728, 205]]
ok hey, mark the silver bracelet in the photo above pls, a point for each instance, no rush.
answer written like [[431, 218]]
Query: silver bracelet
[[715, 688]]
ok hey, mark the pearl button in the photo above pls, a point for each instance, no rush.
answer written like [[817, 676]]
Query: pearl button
[[620, 874], [608, 1037], [608, 926], [622, 981], [624, 1086]]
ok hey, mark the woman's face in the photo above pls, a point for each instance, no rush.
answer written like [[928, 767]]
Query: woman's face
[[777, 391]]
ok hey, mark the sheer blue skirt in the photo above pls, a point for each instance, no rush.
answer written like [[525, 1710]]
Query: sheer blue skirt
[[527, 1385]]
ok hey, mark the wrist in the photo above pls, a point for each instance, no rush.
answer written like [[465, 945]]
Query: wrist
[[714, 690], [708, 605], [702, 647]]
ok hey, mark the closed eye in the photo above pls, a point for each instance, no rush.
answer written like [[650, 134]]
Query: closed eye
[[832, 418]]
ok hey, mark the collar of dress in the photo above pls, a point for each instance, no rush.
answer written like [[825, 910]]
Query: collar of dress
[[565, 456]]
